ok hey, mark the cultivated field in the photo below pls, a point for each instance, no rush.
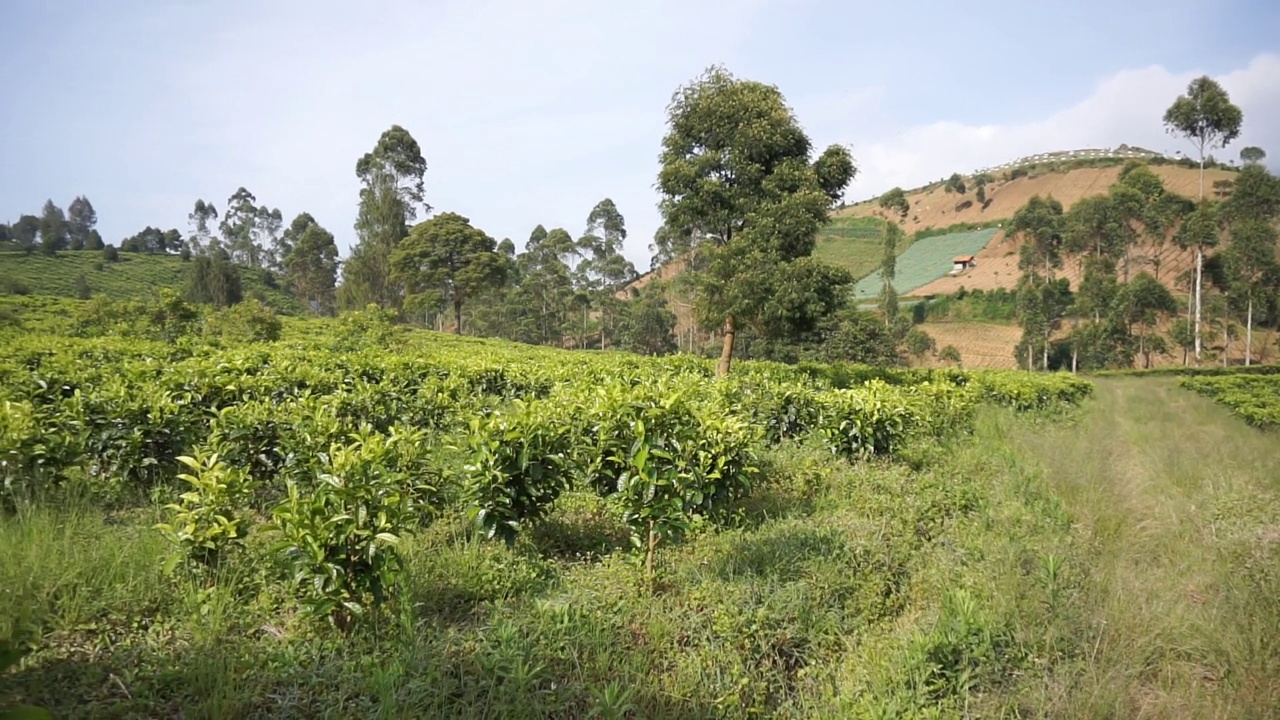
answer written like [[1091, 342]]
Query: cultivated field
[[925, 261], [362, 520], [133, 276]]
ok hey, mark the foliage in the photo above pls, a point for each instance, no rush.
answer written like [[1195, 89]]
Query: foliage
[[246, 322], [1252, 155], [895, 199], [736, 179], [209, 520], [340, 533], [1255, 398], [648, 325], [448, 257]]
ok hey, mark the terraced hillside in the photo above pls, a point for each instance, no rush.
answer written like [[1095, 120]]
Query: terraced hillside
[[132, 276], [854, 243], [925, 261]]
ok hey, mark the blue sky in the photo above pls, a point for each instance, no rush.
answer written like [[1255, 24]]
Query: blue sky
[[530, 112]]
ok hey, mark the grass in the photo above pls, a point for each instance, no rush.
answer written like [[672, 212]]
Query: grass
[[134, 276], [1123, 561], [925, 261], [1178, 506], [854, 243]]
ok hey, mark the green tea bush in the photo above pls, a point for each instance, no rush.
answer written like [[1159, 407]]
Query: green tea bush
[[245, 322], [1254, 398], [209, 519], [339, 535]]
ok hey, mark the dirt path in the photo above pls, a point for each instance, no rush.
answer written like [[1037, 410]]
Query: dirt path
[[1178, 511]]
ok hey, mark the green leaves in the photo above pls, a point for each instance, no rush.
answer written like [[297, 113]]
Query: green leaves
[[209, 519], [339, 535]]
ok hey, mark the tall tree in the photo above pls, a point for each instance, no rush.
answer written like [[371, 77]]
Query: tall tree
[[200, 219], [25, 232], [1147, 301], [391, 177], [737, 179], [605, 270], [1252, 155], [267, 236], [1200, 230], [53, 229], [1206, 117], [1251, 269], [81, 219], [239, 228], [888, 271], [1040, 223], [446, 255], [311, 265]]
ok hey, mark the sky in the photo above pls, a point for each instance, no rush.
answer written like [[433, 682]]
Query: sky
[[531, 111]]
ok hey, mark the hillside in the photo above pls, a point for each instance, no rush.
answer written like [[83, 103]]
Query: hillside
[[933, 207], [132, 276]]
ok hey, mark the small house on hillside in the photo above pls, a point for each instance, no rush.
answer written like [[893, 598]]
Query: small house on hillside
[[961, 263]]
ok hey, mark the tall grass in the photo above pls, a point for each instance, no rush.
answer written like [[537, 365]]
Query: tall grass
[[1179, 507]]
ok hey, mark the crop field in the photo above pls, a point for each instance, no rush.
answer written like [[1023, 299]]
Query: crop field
[[365, 520], [925, 261], [231, 529], [854, 243], [134, 275]]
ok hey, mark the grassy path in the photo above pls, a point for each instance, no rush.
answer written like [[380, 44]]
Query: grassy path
[[1177, 507]]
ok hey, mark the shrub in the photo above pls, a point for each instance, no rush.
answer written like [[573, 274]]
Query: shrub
[[340, 534], [110, 254], [245, 322], [208, 520], [13, 286], [949, 354], [83, 291]]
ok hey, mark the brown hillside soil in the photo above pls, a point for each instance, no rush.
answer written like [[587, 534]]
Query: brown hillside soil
[[981, 345], [997, 267], [937, 208]]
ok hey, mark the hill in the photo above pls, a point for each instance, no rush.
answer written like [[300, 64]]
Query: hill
[[134, 275], [934, 207]]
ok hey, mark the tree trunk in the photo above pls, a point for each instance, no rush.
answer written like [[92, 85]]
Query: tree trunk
[[726, 352], [1030, 366], [1075, 352], [1248, 336], [1199, 280], [1226, 343], [1044, 360], [457, 317]]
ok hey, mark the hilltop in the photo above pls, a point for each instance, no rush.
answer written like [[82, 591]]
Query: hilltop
[[132, 276]]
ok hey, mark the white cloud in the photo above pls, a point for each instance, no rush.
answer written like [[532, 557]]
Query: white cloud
[[1125, 108]]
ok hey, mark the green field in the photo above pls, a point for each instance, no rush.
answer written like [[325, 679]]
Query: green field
[[134, 276], [374, 521], [925, 261], [854, 243]]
